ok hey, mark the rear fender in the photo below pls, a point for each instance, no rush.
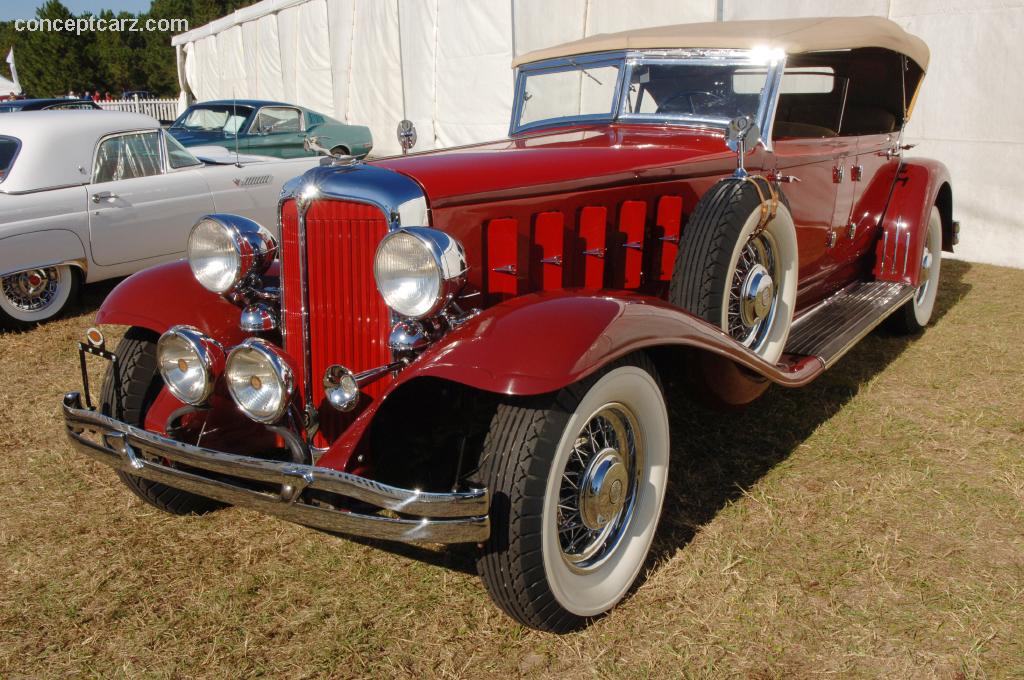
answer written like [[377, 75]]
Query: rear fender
[[921, 184], [42, 249], [166, 295]]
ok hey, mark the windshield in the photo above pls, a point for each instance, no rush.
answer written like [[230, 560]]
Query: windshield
[[691, 90], [703, 89], [577, 92], [8, 150], [226, 118]]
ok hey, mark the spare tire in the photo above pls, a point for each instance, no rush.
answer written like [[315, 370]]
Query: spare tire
[[738, 262]]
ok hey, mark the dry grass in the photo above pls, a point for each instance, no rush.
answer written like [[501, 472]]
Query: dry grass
[[870, 525]]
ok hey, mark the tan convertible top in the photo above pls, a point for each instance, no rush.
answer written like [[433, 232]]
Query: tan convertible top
[[790, 35]]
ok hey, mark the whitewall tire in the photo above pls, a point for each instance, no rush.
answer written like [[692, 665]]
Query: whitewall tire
[[577, 481], [37, 295], [736, 274]]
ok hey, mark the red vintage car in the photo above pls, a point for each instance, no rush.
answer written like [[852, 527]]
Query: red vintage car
[[469, 345]]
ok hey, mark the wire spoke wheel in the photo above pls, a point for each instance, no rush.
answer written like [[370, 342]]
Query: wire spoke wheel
[[33, 290], [36, 295], [599, 486], [753, 296]]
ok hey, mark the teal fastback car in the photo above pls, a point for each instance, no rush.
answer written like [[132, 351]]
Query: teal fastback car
[[268, 128]]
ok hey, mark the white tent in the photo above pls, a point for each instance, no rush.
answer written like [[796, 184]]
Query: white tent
[[7, 87], [445, 64]]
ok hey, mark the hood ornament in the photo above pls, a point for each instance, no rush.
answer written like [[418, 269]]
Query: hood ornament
[[312, 143]]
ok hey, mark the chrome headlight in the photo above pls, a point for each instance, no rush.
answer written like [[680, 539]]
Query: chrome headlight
[[224, 250], [418, 270], [189, 363], [260, 380]]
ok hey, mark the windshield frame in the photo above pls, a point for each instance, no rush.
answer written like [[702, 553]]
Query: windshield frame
[[14, 157], [564, 64], [628, 60]]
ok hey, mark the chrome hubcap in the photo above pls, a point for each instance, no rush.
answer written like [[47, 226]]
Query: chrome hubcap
[[32, 290], [603, 492], [757, 294], [599, 487], [753, 295]]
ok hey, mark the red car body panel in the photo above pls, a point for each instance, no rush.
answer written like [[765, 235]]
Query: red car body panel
[[915, 192], [502, 349], [167, 295]]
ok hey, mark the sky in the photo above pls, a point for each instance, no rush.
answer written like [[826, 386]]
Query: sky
[[26, 9]]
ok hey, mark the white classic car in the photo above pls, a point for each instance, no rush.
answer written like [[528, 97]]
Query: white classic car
[[91, 195]]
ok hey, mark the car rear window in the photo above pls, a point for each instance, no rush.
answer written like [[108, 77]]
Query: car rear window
[[8, 150]]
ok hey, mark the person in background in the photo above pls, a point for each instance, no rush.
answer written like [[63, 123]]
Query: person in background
[[107, 97], [96, 96], [71, 94]]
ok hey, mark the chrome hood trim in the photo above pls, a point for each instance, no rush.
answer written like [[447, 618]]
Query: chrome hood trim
[[398, 196]]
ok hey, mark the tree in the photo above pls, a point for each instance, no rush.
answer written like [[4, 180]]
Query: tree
[[50, 63]]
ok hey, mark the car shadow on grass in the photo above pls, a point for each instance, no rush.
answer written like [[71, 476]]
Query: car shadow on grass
[[718, 456]]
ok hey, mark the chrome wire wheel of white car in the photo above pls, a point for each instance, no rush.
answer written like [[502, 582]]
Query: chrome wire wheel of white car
[[917, 312], [37, 295], [577, 481]]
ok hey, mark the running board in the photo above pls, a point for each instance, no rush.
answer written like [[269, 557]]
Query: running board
[[832, 328]]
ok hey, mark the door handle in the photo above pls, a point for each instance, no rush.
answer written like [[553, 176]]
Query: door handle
[[103, 196]]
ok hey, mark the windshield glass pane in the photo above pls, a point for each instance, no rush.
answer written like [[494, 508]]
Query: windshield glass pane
[[570, 93], [8, 150], [711, 91], [209, 118]]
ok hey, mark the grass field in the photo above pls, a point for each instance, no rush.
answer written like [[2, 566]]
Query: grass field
[[870, 525]]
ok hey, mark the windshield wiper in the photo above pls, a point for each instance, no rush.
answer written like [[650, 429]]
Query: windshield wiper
[[585, 72]]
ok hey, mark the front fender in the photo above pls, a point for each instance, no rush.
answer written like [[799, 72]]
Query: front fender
[[544, 341], [921, 184], [166, 295]]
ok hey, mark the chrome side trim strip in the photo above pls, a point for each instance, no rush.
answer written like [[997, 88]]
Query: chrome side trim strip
[[458, 517]]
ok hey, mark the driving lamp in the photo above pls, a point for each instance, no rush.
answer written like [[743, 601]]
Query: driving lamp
[[260, 380], [418, 270], [225, 250], [189, 363]]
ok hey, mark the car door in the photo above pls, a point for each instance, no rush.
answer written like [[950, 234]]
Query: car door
[[807, 153], [140, 208], [874, 113], [277, 131]]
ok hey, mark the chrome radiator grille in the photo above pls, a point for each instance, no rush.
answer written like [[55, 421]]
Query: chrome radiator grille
[[348, 322]]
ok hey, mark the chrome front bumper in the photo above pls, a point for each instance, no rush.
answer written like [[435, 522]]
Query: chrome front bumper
[[423, 517]]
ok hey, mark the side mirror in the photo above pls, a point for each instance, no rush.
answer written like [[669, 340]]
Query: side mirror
[[742, 136], [406, 135]]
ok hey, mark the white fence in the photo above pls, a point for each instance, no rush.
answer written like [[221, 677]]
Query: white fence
[[161, 109]]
